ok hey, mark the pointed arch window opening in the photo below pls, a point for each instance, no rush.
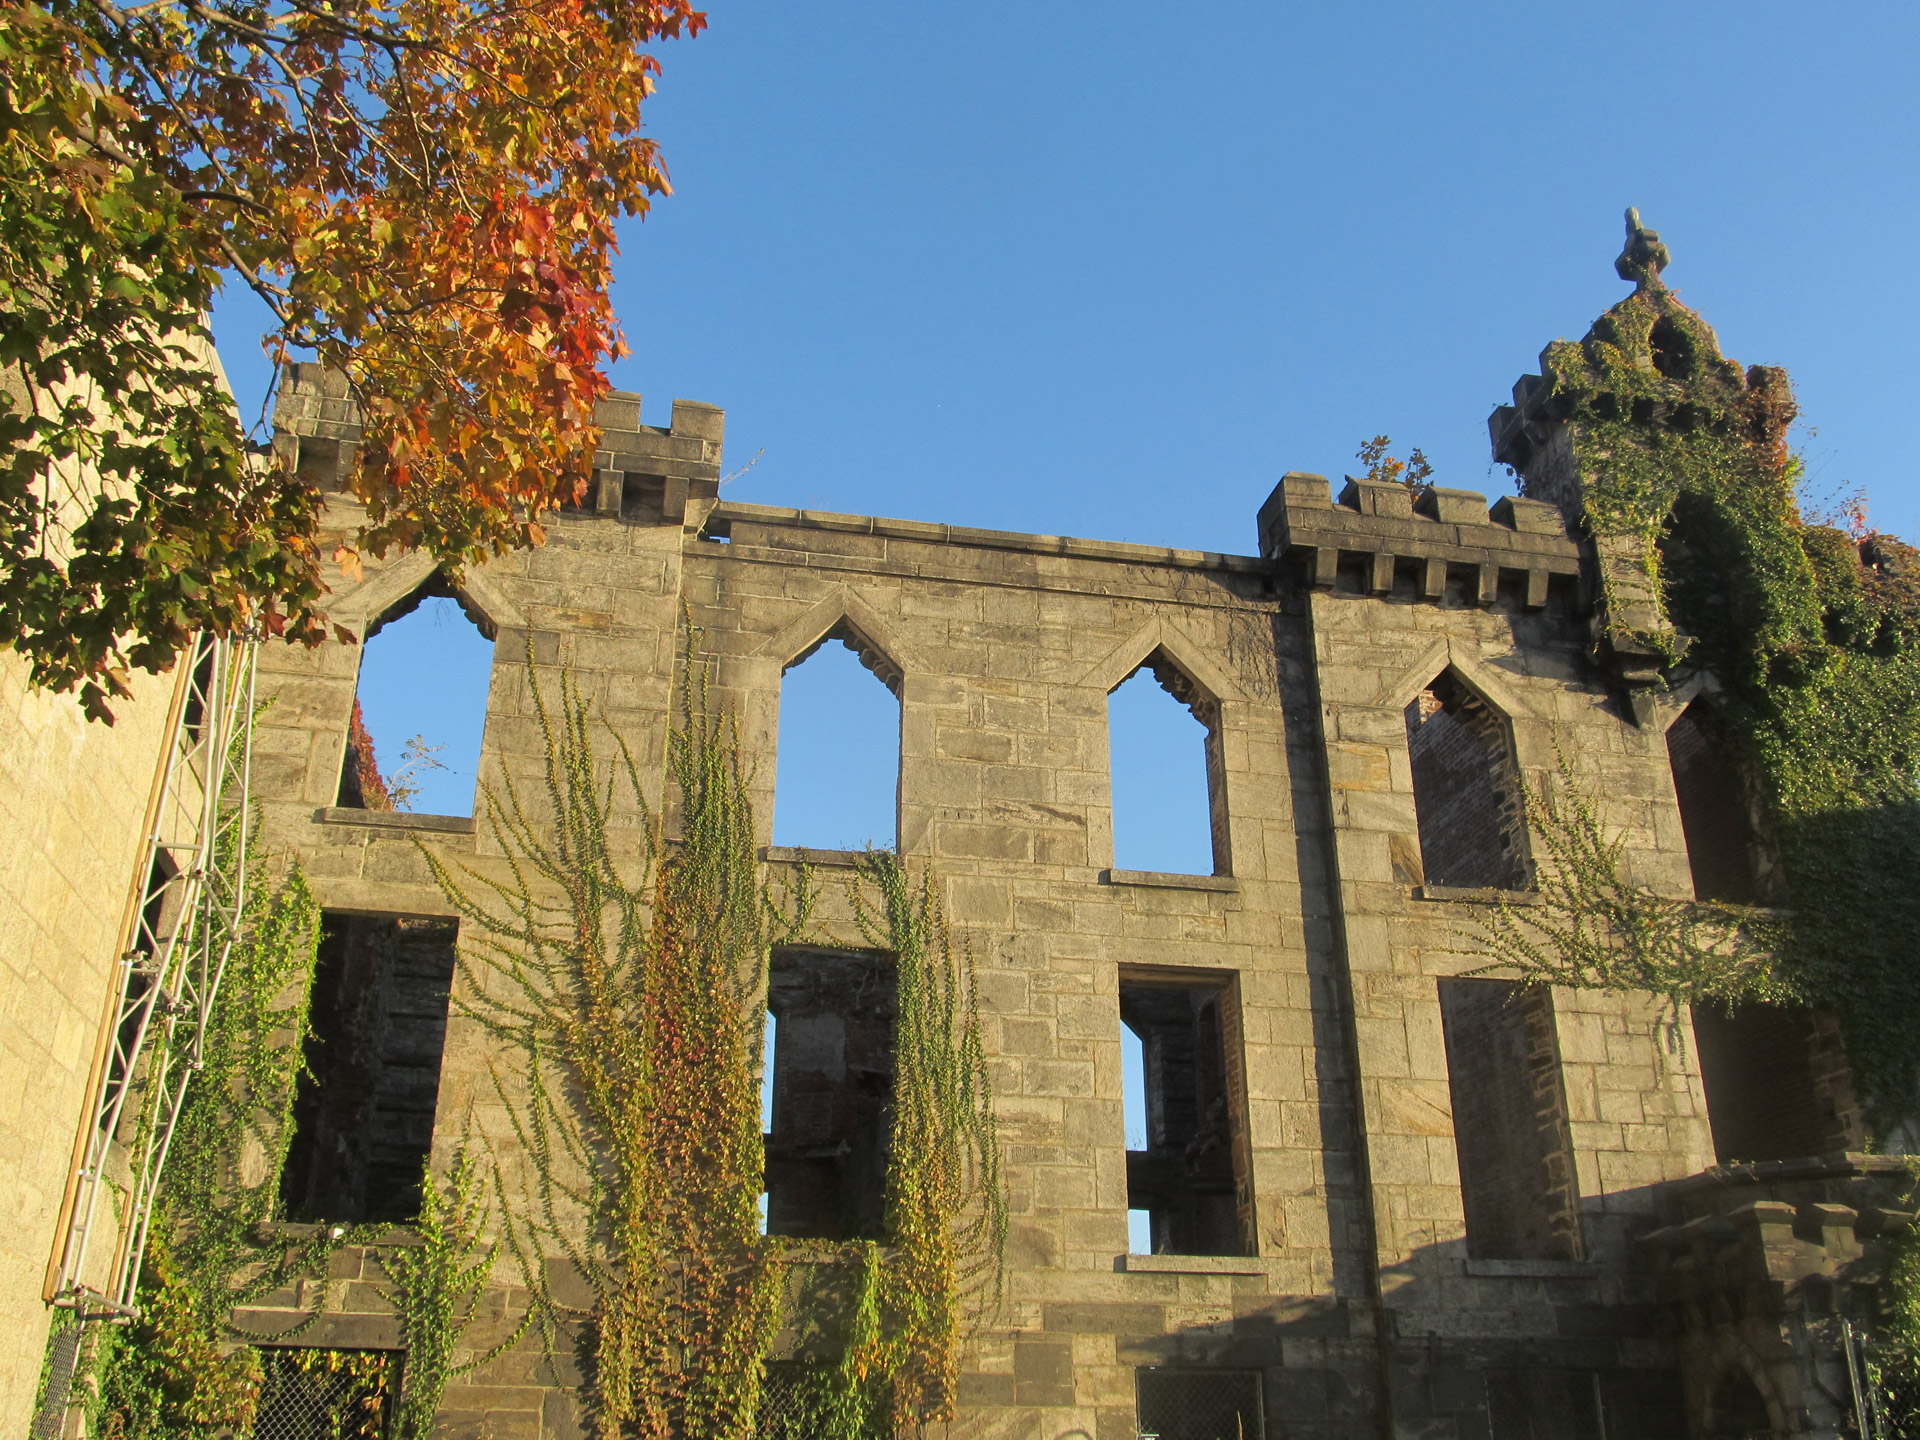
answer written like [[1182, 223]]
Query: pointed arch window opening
[[837, 759], [1468, 799], [420, 705], [1158, 824]]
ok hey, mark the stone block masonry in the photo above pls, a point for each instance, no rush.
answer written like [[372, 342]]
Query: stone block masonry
[[1391, 1194], [1339, 1270]]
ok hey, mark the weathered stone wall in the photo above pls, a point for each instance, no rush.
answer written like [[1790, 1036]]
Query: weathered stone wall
[[1359, 1303]]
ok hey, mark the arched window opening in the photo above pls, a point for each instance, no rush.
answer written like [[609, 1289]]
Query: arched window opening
[[1671, 349], [837, 772], [1510, 1129], [1777, 1081], [420, 709], [1713, 809], [830, 1101], [1466, 790], [1739, 1410], [1169, 795], [1189, 1175]]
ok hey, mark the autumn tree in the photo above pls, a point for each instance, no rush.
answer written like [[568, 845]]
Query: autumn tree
[[424, 193]]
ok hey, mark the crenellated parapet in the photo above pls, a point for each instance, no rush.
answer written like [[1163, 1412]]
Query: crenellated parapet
[[642, 473], [1772, 1275], [1380, 530]]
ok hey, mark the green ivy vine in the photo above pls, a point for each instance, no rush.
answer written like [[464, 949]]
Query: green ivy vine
[[1812, 633], [621, 972], [175, 1371]]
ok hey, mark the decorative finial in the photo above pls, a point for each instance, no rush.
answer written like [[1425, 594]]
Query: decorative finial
[[1644, 256]]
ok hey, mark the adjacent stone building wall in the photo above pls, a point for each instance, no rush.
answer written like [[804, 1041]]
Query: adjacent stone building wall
[[73, 806]]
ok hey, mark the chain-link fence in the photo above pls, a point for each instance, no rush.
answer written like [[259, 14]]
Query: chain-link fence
[[325, 1394], [786, 1411], [63, 1354], [1199, 1404]]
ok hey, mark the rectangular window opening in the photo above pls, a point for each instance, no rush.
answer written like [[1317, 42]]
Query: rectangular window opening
[[1778, 1083], [1198, 1404], [364, 1112], [831, 1049], [1188, 1174], [1510, 1131]]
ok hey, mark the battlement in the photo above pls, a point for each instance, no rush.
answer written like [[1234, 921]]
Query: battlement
[[1377, 526], [637, 467]]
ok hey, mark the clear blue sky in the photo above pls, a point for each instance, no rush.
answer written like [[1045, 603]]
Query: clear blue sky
[[1110, 270]]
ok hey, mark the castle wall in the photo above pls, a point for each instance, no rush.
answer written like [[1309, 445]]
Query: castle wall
[[1358, 1304]]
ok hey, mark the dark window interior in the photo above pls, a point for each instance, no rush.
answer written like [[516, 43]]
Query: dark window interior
[[1190, 1178], [1510, 1121], [1466, 790], [1739, 1410], [1544, 1404], [1713, 809], [363, 1116], [1778, 1086], [1198, 1404], [832, 1064]]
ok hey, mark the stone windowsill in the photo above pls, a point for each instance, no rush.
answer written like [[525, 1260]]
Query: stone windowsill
[[389, 1233], [1533, 1269], [1476, 897], [1223, 884], [395, 820], [806, 855], [1192, 1265]]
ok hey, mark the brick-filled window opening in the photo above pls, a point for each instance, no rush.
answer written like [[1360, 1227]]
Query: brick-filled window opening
[[1777, 1081], [1466, 790], [1190, 1176], [1713, 809], [1510, 1132], [832, 1099], [1198, 1404], [1165, 769], [364, 1111], [837, 769], [420, 707]]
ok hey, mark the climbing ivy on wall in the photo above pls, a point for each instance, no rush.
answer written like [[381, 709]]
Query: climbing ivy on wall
[[898, 1367], [1812, 633], [1588, 926], [623, 973], [173, 1372]]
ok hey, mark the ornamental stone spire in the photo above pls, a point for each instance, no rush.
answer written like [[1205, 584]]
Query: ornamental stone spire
[[1644, 257]]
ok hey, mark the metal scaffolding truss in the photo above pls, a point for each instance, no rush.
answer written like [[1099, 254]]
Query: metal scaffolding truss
[[192, 874]]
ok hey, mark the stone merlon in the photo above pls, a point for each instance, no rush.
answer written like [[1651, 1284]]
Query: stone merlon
[[1383, 524]]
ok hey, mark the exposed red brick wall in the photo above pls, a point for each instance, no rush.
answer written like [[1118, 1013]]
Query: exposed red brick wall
[[1778, 1083], [1466, 790], [1713, 810], [1510, 1121]]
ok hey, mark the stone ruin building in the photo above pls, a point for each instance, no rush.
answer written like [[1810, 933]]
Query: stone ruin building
[[1389, 1196]]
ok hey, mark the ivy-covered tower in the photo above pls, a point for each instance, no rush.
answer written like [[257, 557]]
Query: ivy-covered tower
[[1642, 426], [1673, 463]]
